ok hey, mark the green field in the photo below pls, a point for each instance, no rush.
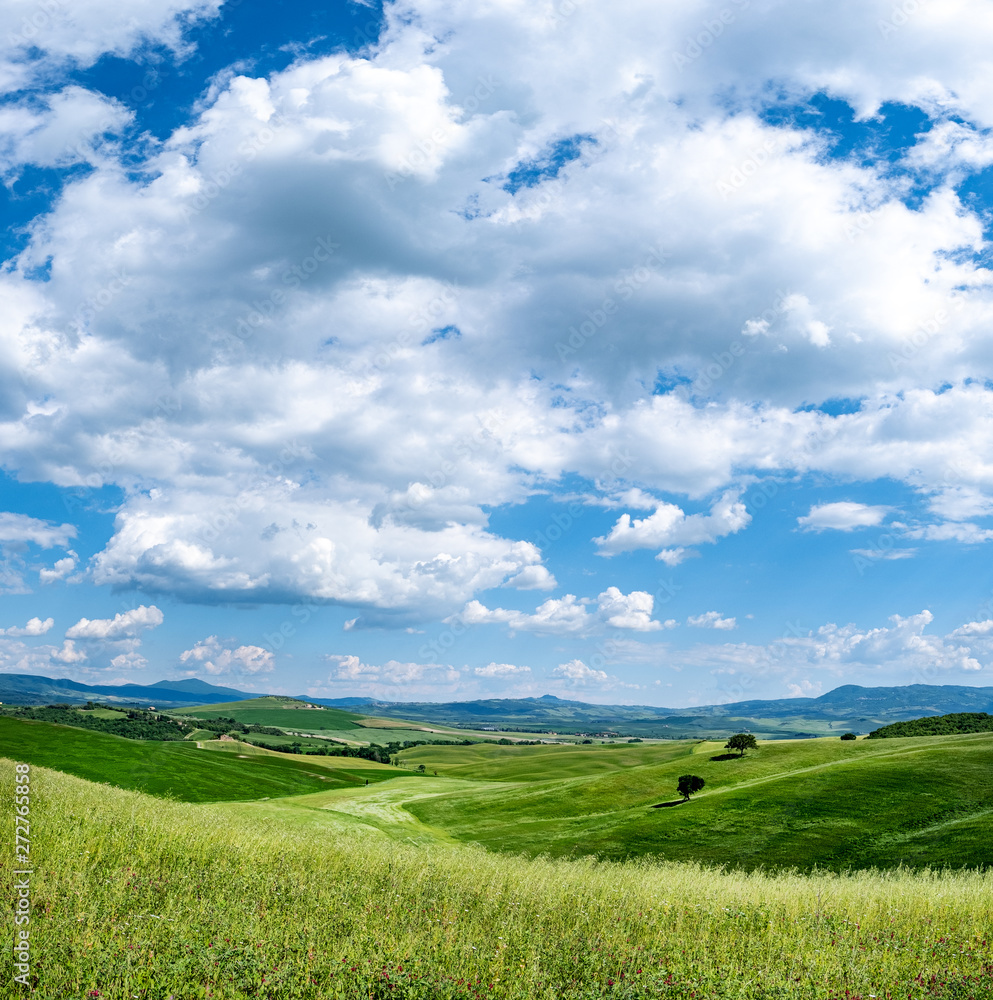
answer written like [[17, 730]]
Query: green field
[[517, 872], [273, 712], [179, 770], [288, 900], [824, 802]]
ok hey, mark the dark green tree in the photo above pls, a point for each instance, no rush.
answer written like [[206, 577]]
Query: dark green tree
[[688, 784], [741, 742], [849, 736]]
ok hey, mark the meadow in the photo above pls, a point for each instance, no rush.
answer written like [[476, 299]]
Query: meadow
[[138, 897], [822, 803], [812, 869], [180, 770]]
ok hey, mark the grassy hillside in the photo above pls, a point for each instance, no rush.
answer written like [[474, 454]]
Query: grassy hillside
[[136, 897], [179, 770], [808, 803], [286, 713]]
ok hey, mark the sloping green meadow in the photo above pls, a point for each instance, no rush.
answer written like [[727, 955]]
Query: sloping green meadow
[[138, 897], [177, 770], [825, 803], [269, 712]]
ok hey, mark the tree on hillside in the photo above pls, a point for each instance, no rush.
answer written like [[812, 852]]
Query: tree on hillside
[[741, 742], [688, 784], [849, 736]]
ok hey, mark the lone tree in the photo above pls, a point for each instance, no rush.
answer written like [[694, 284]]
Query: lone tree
[[688, 784], [741, 742], [849, 736]]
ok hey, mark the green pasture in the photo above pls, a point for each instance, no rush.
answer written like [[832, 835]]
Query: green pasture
[[287, 899], [806, 803], [176, 770], [270, 712]]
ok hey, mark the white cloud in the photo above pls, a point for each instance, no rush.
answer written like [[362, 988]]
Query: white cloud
[[631, 611], [68, 654], [147, 359], [952, 531], [533, 578], [569, 615], [843, 516], [284, 543], [712, 619], [556, 616], [579, 674], [38, 38], [215, 658], [394, 679], [502, 670], [126, 623], [670, 528], [972, 630], [45, 534], [61, 569], [35, 626], [897, 653]]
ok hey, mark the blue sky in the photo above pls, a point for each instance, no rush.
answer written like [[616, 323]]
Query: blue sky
[[436, 351]]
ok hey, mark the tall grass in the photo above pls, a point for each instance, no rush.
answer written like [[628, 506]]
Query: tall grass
[[137, 897]]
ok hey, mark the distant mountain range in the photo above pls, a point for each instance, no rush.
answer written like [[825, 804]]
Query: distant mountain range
[[848, 707], [847, 704], [30, 689]]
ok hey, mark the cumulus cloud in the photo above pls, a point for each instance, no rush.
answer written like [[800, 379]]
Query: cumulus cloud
[[843, 516], [215, 658], [712, 619], [257, 356], [125, 623], [570, 615], [61, 569], [579, 674], [68, 654], [670, 529], [628, 611], [556, 616], [35, 626]]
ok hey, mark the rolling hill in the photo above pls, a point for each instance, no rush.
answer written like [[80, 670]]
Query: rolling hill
[[182, 771]]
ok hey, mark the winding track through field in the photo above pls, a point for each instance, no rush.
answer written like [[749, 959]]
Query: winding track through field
[[384, 807]]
